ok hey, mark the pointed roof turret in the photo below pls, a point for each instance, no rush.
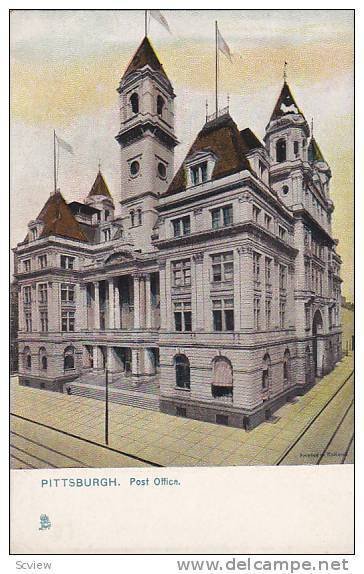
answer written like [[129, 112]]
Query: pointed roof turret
[[58, 219], [314, 152], [100, 187], [285, 104], [145, 55]]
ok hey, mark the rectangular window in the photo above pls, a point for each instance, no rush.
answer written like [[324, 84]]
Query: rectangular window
[[199, 173], [222, 266], [28, 321], [223, 314], [256, 266], [44, 321], [257, 313], [222, 216], [267, 221], [268, 272], [268, 313], [67, 262], [282, 233], [282, 277], [27, 292], [67, 293], [282, 314], [256, 213], [181, 226], [181, 273], [42, 261], [307, 316], [183, 316], [27, 265], [68, 321], [106, 234], [43, 293]]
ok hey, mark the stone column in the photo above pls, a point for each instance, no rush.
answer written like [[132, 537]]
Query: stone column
[[21, 319], [237, 289], [117, 302], [136, 281], [82, 308], [149, 367], [111, 363], [162, 288], [198, 307], [34, 307], [148, 302], [97, 305], [135, 362], [275, 293], [110, 304], [247, 288], [54, 307]]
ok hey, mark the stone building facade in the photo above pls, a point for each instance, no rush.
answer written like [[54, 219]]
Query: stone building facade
[[219, 282]]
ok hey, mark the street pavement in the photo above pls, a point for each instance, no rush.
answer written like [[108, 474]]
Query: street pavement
[[316, 429]]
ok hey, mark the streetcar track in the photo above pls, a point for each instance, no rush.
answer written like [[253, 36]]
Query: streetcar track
[[23, 462], [89, 441], [309, 425], [49, 448], [347, 450], [33, 455], [336, 431]]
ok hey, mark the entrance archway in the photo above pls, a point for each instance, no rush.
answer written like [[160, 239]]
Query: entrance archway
[[317, 327]]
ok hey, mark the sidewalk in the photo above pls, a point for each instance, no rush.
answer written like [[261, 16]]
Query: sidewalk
[[176, 441]]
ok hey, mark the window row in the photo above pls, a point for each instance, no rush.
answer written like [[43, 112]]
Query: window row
[[134, 104], [66, 262], [67, 293], [68, 358]]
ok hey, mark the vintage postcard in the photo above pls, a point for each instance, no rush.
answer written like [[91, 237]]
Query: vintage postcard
[[182, 281]]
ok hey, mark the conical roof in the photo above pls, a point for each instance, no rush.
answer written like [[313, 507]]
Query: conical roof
[[145, 55], [58, 219], [314, 152], [285, 104], [99, 187]]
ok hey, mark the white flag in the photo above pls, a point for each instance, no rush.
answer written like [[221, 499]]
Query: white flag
[[157, 15], [64, 145], [222, 46]]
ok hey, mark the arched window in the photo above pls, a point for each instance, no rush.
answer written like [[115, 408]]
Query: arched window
[[308, 365], [43, 360], [182, 367], [266, 372], [139, 215], [134, 102], [286, 367], [222, 384], [27, 357], [160, 105], [132, 218], [281, 153], [69, 358]]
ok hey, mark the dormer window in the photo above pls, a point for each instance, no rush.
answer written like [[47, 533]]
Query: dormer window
[[199, 173], [160, 105], [34, 233], [134, 102], [106, 234]]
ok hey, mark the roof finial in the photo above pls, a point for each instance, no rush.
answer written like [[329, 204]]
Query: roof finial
[[228, 103], [285, 71], [207, 109], [312, 127], [99, 164]]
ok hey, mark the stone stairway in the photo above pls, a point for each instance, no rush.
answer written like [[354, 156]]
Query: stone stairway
[[138, 396]]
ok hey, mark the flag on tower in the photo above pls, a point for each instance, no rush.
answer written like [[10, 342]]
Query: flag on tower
[[222, 46], [157, 15], [66, 146]]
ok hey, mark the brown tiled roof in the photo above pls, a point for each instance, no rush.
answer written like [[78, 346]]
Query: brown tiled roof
[[285, 98], [99, 187], [250, 140], [59, 220], [222, 138], [314, 152], [144, 55]]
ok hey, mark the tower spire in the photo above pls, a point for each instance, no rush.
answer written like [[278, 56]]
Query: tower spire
[[285, 71]]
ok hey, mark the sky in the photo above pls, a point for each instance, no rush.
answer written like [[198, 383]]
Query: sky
[[66, 66]]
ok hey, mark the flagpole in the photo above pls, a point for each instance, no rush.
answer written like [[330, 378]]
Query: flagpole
[[146, 22], [54, 161], [216, 69]]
